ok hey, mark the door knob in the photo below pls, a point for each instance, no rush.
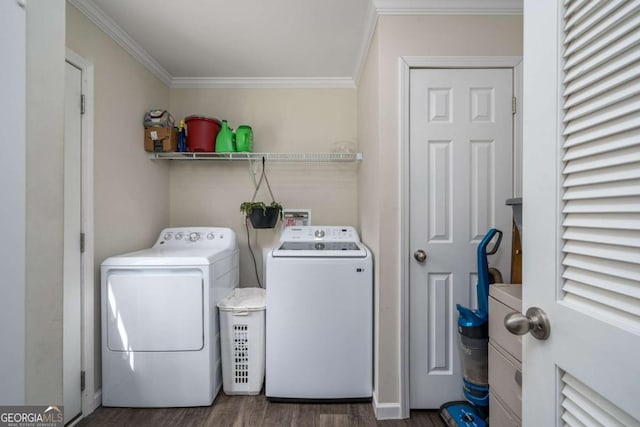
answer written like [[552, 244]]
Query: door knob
[[535, 321], [420, 255]]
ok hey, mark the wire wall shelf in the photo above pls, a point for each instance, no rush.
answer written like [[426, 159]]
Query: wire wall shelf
[[277, 157]]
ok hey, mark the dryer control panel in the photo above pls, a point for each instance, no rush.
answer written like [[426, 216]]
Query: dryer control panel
[[196, 237]]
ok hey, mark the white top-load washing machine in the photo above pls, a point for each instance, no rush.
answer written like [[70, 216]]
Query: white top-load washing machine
[[319, 324], [160, 334]]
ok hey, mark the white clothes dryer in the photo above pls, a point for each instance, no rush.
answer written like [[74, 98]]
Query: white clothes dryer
[[319, 323], [160, 334]]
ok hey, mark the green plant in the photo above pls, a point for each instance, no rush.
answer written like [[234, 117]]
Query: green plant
[[252, 210], [247, 207]]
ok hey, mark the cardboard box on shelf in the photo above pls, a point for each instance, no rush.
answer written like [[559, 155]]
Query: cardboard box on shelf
[[160, 139]]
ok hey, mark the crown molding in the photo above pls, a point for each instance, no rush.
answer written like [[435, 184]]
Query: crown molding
[[448, 7], [262, 83], [371, 21], [113, 30]]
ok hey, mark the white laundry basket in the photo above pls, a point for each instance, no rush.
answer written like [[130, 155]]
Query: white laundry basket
[[242, 335]]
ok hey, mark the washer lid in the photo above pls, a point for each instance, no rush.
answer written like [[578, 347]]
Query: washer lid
[[320, 249], [167, 257], [319, 233], [320, 241]]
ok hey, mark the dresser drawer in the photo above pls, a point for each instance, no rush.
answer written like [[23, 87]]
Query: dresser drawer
[[499, 416], [498, 333], [505, 379]]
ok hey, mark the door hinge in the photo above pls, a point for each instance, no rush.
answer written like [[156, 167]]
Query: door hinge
[[81, 104], [514, 103], [82, 238], [82, 383]]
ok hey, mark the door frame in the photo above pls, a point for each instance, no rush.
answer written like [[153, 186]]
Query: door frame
[[90, 399], [405, 64]]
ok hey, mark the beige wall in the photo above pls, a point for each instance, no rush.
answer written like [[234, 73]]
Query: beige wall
[[412, 36], [44, 209], [209, 193], [131, 198], [369, 212]]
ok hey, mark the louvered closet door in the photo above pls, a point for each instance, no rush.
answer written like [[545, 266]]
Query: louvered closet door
[[581, 198]]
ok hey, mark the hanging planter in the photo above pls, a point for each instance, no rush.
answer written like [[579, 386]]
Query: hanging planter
[[260, 214]]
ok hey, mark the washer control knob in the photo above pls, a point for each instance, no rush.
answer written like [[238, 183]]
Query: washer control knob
[[178, 236], [210, 236], [168, 236], [194, 237], [319, 233]]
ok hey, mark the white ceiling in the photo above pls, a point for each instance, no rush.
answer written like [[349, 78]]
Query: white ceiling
[[315, 43]]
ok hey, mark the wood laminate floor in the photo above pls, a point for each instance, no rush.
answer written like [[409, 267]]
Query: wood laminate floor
[[249, 411]]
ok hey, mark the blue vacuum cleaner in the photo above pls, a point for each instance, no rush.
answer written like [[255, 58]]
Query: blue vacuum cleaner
[[473, 327]]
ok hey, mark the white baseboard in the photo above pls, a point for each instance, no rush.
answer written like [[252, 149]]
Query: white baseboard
[[89, 406], [73, 423], [94, 404], [386, 411]]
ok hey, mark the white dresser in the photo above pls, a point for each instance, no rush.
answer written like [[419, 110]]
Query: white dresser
[[505, 357]]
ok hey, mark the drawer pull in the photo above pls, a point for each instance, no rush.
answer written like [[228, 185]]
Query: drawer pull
[[518, 377]]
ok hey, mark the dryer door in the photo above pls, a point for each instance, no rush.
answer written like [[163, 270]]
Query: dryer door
[[155, 310]]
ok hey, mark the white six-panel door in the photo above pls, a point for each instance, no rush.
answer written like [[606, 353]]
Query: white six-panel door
[[581, 202], [460, 176]]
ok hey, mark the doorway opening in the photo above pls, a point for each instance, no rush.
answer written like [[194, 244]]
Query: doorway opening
[[79, 397], [439, 148]]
